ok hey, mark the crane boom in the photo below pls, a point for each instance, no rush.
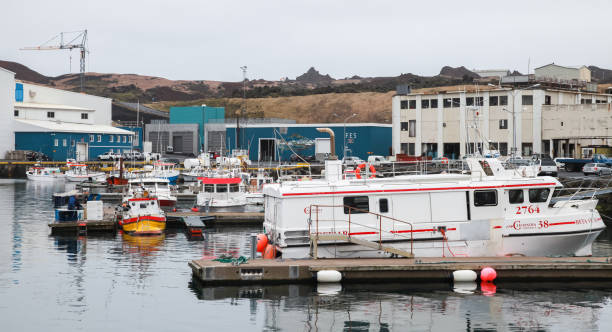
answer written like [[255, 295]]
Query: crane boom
[[80, 41]]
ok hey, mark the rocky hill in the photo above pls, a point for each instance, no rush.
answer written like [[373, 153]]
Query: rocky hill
[[458, 73]]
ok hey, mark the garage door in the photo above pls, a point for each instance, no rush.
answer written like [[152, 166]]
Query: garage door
[[159, 140], [187, 146]]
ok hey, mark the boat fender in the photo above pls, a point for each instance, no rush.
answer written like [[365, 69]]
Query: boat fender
[[329, 276], [464, 276], [195, 209], [488, 288], [488, 274], [329, 288], [464, 287], [269, 252], [262, 242]]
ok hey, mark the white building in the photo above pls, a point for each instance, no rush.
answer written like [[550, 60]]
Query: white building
[[553, 71], [442, 123], [7, 96]]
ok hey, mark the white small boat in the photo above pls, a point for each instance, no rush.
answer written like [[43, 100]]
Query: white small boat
[[155, 187], [255, 190], [39, 173], [222, 193], [80, 173]]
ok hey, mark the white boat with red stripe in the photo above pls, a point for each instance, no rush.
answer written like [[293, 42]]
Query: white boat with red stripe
[[489, 211]]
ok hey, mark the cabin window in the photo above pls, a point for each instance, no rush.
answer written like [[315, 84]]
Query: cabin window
[[209, 188], [234, 187], [539, 195], [143, 205], [384, 205], [515, 196], [356, 204], [485, 198], [222, 188]]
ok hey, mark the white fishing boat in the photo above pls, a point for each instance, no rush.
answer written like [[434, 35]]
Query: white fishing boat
[[489, 211], [39, 173], [196, 172], [154, 187], [221, 193], [80, 173], [255, 190], [164, 171]]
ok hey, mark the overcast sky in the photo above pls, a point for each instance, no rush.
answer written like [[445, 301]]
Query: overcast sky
[[183, 39]]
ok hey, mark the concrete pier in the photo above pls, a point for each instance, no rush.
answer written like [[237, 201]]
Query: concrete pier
[[523, 269]]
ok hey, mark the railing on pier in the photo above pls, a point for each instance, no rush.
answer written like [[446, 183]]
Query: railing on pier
[[349, 234]]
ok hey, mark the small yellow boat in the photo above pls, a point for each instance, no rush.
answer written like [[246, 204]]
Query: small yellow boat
[[142, 216]]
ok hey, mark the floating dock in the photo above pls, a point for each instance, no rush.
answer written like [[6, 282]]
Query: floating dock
[[382, 270]]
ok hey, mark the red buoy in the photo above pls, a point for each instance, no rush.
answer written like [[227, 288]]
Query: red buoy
[[194, 209], [488, 274], [262, 242], [270, 252]]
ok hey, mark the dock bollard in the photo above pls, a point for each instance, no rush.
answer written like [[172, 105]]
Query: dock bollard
[[253, 246]]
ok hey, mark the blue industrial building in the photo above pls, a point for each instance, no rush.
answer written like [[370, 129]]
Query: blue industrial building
[[138, 137], [200, 115], [279, 141]]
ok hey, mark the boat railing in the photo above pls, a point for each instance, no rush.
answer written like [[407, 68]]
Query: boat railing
[[351, 222], [421, 167]]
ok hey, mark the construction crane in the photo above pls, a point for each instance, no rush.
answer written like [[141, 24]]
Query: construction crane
[[80, 42]]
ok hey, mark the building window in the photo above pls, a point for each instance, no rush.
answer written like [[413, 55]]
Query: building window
[[404, 104], [99, 138], [50, 114], [479, 101], [527, 100], [424, 103], [136, 138], [356, 204], [447, 102], [118, 138], [547, 100], [469, 101], [130, 139], [503, 124], [404, 126], [111, 138], [527, 149], [124, 139], [433, 103], [503, 148], [493, 100], [412, 104], [16, 113], [589, 101], [412, 128], [383, 205], [561, 123], [91, 138], [485, 197], [56, 142], [64, 142], [84, 116], [404, 148], [456, 102], [72, 143], [503, 100], [411, 151]]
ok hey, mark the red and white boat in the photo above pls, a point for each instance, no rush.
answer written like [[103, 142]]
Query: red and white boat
[[490, 211], [221, 193], [155, 187], [142, 216]]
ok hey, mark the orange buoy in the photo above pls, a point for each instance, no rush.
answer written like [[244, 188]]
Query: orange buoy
[[270, 252], [262, 242], [194, 209], [488, 288], [488, 274], [363, 166]]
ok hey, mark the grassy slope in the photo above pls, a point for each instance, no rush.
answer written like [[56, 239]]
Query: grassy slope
[[369, 107]]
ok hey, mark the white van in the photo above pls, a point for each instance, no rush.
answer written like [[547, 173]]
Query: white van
[[377, 160]]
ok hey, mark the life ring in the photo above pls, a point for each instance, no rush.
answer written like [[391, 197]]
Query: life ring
[[444, 161], [363, 166]]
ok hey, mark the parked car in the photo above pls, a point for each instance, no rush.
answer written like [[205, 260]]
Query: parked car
[[547, 167], [378, 160], [109, 155], [352, 161], [299, 158], [596, 168], [560, 165], [151, 156], [132, 155]]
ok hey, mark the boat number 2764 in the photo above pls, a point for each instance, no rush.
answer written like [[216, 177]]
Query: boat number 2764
[[527, 209]]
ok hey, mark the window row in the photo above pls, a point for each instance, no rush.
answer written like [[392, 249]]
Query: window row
[[51, 115], [456, 102], [111, 138]]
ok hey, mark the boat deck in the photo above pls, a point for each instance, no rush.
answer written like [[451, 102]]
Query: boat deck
[[381, 270]]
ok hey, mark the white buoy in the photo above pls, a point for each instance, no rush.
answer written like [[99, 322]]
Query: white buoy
[[464, 275], [465, 287], [329, 288], [329, 276]]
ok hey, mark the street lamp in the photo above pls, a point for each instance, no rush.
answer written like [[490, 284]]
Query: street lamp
[[514, 92], [344, 146]]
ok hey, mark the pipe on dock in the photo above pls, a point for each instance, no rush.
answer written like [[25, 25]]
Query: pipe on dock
[[332, 138]]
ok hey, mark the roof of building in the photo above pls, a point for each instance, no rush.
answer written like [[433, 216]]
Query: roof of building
[[66, 91], [51, 106], [6, 70], [60, 126], [317, 125], [569, 67]]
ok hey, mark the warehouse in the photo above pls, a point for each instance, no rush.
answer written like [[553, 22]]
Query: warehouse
[[61, 124], [182, 138], [278, 142]]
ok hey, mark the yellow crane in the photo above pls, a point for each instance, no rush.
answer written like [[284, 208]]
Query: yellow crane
[[78, 40]]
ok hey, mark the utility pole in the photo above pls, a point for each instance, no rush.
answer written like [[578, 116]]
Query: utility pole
[[242, 111]]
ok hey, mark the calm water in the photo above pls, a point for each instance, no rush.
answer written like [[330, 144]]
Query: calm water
[[106, 283]]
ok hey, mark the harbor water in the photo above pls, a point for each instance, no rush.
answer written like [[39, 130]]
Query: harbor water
[[116, 282]]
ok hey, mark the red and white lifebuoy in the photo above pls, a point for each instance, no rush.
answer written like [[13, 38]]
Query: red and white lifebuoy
[[363, 166], [444, 161]]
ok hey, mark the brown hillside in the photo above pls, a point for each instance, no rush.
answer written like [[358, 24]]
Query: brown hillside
[[369, 106]]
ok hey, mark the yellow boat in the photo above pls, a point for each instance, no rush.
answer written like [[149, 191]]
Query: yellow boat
[[143, 216]]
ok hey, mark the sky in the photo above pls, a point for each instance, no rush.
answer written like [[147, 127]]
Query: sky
[[211, 40]]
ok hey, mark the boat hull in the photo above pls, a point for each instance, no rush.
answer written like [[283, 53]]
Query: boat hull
[[45, 177], [100, 177], [144, 225]]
